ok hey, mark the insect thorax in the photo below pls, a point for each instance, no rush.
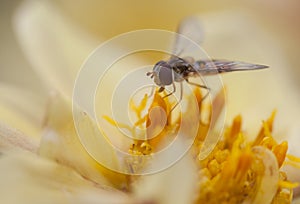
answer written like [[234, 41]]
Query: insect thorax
[[181, 67]]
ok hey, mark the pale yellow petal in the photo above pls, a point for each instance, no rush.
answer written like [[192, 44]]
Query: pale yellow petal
[[296, 201], [174, 185], [27, 178], [270, 177], [11, 139], [293, 172], [57, 48], [61, 143], [22, 109], [53, 44]]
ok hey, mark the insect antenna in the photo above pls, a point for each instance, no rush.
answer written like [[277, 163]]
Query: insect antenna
[[151, 74]]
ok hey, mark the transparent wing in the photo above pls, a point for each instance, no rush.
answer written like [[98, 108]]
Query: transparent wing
[[192, 29], [206, 67]]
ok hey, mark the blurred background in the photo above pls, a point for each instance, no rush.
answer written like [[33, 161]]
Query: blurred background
[[265, 32]]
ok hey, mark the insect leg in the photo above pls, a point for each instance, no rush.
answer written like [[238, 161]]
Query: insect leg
[[180, 98], [152, 91], [174, 90], [200, 86]]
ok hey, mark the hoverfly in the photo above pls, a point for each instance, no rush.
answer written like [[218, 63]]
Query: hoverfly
[[180, 69]]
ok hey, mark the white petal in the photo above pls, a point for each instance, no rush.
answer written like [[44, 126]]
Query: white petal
[[175, 185], [294, 143], [26, 178], [57, 47], [268, 185], [61, 143], [22, 109], [11, 139], [54, 45], [296, 201]]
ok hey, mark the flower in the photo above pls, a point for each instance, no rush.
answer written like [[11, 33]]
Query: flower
[[236, 171], [60, 169]]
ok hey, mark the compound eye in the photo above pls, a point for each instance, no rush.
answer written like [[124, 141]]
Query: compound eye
[[165, 75]]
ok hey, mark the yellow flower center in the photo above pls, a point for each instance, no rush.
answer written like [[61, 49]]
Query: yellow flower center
[[236, 171]]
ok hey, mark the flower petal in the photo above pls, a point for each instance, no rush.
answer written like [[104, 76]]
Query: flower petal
[[22, 109], [27, 178], [293, 172], [269, 182], [12, 139], [175, 185], [54, 45], [61, 142]]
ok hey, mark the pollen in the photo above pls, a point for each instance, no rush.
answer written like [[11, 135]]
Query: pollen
[[237, 170]]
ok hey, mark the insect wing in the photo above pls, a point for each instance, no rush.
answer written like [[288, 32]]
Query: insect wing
[[206, 67], [190, 29]]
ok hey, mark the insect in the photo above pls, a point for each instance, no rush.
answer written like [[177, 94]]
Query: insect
[[181, 69]]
